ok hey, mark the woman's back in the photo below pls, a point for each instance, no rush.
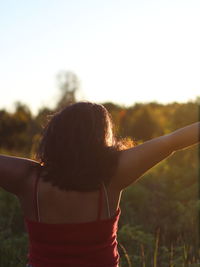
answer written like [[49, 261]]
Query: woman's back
[[59, 206], [70, 228]]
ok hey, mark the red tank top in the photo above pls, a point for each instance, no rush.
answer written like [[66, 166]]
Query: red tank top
[[91, 244]]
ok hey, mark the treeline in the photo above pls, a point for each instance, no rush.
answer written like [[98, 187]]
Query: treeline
[[20, 130]]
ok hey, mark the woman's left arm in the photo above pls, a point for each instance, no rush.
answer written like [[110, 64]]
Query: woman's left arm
[[14, 172]]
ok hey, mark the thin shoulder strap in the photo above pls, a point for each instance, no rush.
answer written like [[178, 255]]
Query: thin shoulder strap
[[100, 201], [106, 194], [36, 200]]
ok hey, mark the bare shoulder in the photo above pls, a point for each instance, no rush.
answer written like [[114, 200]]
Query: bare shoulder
[[135, 161], [14, 172]]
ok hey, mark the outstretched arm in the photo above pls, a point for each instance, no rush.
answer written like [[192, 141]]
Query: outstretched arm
[[134, 162], [14, 172], [185, 137]]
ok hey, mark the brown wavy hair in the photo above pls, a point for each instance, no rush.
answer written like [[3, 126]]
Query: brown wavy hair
[[78, 149]]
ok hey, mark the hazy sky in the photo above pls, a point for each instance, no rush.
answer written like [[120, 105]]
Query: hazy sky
[[122, 51]]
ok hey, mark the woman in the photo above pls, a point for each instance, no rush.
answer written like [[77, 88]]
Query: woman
[[70, 196]]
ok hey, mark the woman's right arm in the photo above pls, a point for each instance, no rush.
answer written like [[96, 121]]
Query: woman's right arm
[[134, 162], [14, 172]]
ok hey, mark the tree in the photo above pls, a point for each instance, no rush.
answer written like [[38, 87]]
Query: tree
[[69, 86]]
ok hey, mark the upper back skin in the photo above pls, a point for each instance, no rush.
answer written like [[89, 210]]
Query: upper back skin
[[59, 206]]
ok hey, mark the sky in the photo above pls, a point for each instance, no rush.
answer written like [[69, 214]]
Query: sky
[[123, 51]]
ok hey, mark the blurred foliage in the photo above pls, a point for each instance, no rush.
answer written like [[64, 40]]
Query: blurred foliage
[[159, 220]]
